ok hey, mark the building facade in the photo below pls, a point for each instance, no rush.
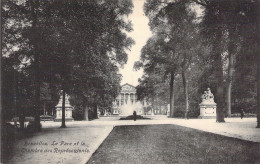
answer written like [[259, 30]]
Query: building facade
[[126, 102]]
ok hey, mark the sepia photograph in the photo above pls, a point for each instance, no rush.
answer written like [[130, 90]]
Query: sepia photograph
[[130, 81]]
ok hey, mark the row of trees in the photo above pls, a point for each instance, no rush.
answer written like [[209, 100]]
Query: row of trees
[[218, 49], [73, 46]]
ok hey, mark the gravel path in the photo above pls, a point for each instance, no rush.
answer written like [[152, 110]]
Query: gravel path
[[73, 145], [88, 135]]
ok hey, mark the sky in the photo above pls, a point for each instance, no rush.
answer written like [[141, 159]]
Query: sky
[[140, 35]]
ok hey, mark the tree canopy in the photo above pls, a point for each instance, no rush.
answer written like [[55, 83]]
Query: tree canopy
[[75, 46], [215, 50]]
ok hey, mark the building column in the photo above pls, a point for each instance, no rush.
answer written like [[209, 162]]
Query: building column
[[129, 98], [124, 98]]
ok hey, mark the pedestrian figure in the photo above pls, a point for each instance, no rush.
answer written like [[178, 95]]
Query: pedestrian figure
[[242, 113], [134, 114]]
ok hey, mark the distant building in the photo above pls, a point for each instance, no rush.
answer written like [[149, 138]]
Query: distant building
[[126, 102]]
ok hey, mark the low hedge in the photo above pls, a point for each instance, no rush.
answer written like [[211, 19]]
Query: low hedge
[[246, 115], [131, 117]]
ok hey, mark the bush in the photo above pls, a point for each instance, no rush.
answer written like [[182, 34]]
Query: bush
[[34, 126], [8, 138], [131, 117], [246, 115], [191, 113], [78, 113], [179, 114], [194, 113], [247, 106]]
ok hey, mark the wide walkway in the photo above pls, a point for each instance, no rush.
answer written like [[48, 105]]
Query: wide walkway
[[233, 127], [77, 142]]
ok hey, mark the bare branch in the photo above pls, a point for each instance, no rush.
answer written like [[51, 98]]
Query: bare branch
[[200, 3]]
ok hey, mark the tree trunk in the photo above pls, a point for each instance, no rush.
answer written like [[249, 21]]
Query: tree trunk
[[220, 84], [258, 76], [21, 120], [229, 83], [86, 113], [218, 66], [34, 6], [172, 95], [231, 48], [2, 118], [95, 111], [258, 91], [153, 106], [63, 109], [37, 89], [185, 87], [17, 94]]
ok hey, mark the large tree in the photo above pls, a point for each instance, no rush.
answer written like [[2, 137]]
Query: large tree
[[98, 47], [173, 25], [226, 25], [73, 45], [153, 87]]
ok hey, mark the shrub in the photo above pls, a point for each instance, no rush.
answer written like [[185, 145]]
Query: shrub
[[247, 106], [194, 113], [34, 126], [246, 115], [78, 113], [131, 117], [9, 133], [179, 114]]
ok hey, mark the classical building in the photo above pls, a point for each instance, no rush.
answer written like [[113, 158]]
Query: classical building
[[126, 102]]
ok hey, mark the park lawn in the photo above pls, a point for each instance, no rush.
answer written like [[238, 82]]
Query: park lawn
[[172, 144]]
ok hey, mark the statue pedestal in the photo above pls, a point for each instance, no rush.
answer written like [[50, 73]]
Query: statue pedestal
[[68, 110], [208, 106], [68, 115], [208, 110]]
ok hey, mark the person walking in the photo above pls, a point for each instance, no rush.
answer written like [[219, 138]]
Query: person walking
[[242, 113]]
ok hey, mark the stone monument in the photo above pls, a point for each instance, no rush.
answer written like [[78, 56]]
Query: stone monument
[[207, 106], [68, 110]]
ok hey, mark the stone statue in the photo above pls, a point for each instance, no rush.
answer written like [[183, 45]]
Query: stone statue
[[207, 96], [207, 106]]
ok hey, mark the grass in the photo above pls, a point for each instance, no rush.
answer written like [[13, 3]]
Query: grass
[[172, 144]]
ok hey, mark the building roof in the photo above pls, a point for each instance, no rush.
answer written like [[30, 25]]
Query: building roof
[[128, 85]]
